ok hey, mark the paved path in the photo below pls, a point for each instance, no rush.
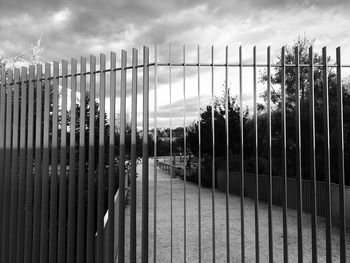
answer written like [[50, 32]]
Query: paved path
[[163, 226]]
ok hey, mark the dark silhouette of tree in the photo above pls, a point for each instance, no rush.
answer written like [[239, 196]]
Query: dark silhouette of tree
[[290, 80], [220, 137], [304, 44], [220, 132]]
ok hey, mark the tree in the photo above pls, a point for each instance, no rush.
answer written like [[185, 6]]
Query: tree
[[220, 136], [33, 58], [290, 80]]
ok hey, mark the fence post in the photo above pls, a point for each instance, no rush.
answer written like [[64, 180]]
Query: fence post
[[101, 161], [54, 166], [313, 158], [121, 227], [171, 162], [155, 160], [22, 167], [133, 158], [62, 233], [327, 157], [299, 167], [256, 160], [37, 165], [90, 234], [44, 244], [28, 235], [111, 176], [71, 224], [341, 168], [14, 168], [284, 155], [144, 246], [82, 167], [2, 148], [7, 176], [213, 152]]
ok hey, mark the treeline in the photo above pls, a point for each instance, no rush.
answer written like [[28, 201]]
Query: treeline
[[276, 113], [163, 135]]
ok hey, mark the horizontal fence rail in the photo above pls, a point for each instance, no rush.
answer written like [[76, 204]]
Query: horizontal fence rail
[[71, 143]]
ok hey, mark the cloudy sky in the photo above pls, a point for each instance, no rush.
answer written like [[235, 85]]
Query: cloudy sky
[[80, 28], [74, 28]]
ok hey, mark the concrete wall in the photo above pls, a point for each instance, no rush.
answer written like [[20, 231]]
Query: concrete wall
[[116, 222], [278, 195], [335, 204], [106, 230]]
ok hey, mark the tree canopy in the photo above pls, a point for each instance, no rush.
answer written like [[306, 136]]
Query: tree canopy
[[290, 80]]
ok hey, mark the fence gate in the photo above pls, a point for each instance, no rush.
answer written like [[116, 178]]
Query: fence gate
[[70, 137]]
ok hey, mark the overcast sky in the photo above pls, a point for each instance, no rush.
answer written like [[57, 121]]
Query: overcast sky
[[83, 27]]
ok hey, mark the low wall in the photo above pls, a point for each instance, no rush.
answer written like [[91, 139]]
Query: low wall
[[116, 223], [177, 170], [278, 195], [107, 227]]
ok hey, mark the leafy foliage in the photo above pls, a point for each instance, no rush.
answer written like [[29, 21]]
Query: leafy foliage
[[34, 55], [276, 142]]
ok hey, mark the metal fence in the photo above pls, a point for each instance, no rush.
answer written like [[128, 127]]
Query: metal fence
[[53, 189]]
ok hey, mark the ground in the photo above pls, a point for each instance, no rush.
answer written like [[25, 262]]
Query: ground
[[163, 226]]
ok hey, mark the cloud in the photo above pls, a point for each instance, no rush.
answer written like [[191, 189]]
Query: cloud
[[74, 28], [80, 28], [61, 16]]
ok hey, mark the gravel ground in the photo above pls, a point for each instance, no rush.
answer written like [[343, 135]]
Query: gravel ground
[[192, 247]]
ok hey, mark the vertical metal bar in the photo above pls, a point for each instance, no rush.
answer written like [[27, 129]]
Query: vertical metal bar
[[7, 172], [133, 157], [313, 157], [38, 168], [62, 215], [171, 159], [14, 168], [185, 174], [112, 164], [155, 159], [121, 227], [241, 121], [101, 162], [144, 245], [213, 151], [269, 154], [2, 148], [284, 154], [22, 168], [199, 160], [298, 145], [340, 140], [71, 224], [82, 166], [327, 171], [54, 166], [28, 235], [227, 109], [256, 161], [90, 234], [44, 239]]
